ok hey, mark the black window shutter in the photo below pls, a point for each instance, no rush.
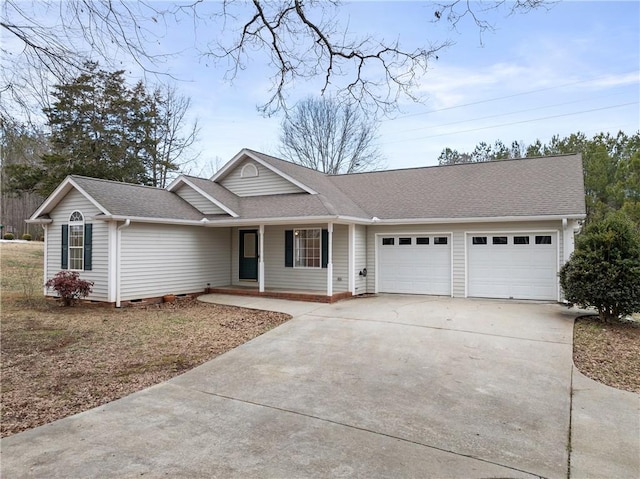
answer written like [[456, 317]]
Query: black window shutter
[[325, 248], [88, 242], [65, 247], [288, 248]]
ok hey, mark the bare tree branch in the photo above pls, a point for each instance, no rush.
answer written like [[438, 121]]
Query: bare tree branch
[[456, 11], [302, 41], [172, 136], [49, 42]]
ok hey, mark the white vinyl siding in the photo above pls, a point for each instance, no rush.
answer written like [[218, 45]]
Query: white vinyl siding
[[266, 183], [76, 201], [459, 265], [235, 259], [198, 201], [340, 258], [458, 252], [162, 259], [360, 254]]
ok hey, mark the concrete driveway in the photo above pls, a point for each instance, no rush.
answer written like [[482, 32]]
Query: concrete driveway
[[388, 386]]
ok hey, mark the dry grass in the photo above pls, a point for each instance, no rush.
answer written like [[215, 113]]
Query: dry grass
[[58, 361], [608, 353]]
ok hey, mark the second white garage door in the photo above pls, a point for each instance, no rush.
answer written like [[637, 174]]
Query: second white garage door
[[518, 265], [414, 264]]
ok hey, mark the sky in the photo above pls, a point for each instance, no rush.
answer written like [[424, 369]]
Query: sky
[[574, 66]]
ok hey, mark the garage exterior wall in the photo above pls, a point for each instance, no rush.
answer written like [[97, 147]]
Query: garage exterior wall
[[76, 201], [458, 232], [161, 259], [360, 258]]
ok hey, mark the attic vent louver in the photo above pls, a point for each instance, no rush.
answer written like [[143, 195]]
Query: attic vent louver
[[249, 171]]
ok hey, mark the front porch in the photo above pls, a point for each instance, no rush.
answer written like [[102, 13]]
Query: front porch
[[307, 262], [291, 294]]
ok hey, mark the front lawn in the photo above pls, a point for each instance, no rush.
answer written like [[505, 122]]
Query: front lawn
[[58, 361]]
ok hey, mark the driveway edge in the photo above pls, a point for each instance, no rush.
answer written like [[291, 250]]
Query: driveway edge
[[605, 430]]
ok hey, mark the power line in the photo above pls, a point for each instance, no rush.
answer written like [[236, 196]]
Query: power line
[[529, 92], [509, 113], [514, 123]]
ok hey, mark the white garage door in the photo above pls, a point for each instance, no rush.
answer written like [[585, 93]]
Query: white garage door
[[414, 264], [519, 266]]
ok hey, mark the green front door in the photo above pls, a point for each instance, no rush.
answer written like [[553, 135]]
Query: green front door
[[249, 255]]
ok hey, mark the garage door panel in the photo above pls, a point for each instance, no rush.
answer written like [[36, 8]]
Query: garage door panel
[[414, 268], [519, 271]]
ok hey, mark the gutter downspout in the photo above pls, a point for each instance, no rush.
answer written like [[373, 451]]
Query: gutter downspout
[[45, 228], [126, 224]]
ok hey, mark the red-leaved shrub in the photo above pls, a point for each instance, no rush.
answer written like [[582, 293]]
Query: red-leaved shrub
[[69, 286]]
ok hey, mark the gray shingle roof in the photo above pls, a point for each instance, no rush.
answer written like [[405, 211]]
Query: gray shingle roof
[[526, 187], [125, 199], [217, 191]]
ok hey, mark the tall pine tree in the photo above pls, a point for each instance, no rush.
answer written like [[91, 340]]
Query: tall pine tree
[[102, 128]]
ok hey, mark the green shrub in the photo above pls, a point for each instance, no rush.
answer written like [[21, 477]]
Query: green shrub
[[8, 236], [604, 270], [26, 237]]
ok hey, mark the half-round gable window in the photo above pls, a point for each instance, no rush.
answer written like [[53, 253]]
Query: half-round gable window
[[76, 216], [249, 171]]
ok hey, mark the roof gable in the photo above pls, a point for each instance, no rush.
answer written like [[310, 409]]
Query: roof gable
[[68, 184], [198, 197], [247, 167], [118, 199]]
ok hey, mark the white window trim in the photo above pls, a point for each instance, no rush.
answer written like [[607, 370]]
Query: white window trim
[[72, 223], [249, 170], [296, 250]]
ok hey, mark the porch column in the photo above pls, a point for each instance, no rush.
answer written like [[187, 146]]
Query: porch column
[[330, 260], [261, 259]]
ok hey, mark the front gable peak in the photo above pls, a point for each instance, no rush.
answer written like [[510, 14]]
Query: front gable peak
[[249, 174], [68, 184]]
